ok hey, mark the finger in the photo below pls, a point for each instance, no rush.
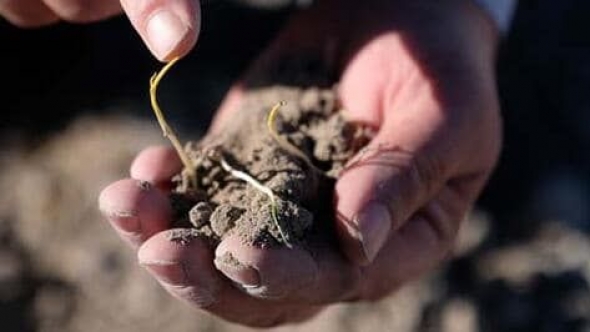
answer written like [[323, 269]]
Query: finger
[[288, 275], [418, 246], [135, 209], [415, 247], [168, 27], [84, 11], [157, 165], [262, 271], [183, 264], [401, 169], [27, 13]]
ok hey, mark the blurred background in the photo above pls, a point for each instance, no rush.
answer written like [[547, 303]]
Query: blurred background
[[75, 111]]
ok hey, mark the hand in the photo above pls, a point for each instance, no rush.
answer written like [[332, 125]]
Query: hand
[[168, 27], [422, 74]]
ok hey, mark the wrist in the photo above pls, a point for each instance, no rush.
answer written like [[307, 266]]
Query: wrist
[[456, 30], [456, 26]]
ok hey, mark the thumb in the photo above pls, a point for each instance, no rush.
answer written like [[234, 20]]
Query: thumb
[[388, 182], [169, 28]]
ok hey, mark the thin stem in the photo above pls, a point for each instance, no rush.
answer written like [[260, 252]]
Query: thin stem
[[270, 123], [166, 129]]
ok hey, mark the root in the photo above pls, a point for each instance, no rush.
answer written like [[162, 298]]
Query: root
[[274, 208]]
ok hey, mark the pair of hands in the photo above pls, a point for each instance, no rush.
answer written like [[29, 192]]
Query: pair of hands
[[420, 72]]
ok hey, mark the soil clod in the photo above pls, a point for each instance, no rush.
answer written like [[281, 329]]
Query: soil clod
[[270, 181]]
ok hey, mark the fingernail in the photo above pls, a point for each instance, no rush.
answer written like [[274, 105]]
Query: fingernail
[[127, 221], [171, 273], [165, 31], [374, 223], [246, 276]]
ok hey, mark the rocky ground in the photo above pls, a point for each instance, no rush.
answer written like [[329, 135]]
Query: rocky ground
[[522, 262]]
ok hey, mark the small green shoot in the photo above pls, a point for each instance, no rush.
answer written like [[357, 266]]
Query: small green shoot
[[283, 143], [189, 172]]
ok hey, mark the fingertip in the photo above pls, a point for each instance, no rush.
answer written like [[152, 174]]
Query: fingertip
[[353, 191], [168, 28], [168, 36], [363, 237], [366, 200], [265, 272], [174, 245], [135, 209], [157, 165], [182, 262], [233, 258], [350, 241]]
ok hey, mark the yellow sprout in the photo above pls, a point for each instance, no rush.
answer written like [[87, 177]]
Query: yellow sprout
[[189, 173], [270, 123]]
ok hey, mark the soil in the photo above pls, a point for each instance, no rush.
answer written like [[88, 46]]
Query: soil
[[222, 204]]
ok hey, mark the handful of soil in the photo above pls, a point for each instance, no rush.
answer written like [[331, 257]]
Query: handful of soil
[[223, 204]]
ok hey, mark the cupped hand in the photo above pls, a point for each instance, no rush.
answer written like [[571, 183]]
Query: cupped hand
[[168, 27], [422, 74]]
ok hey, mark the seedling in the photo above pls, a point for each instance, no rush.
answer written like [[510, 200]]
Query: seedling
[[189, 173], [282, 142], [189, 176]]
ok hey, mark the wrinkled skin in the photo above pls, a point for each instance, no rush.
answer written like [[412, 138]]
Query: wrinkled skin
[[420, 72]]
